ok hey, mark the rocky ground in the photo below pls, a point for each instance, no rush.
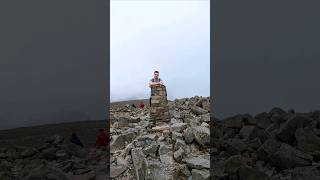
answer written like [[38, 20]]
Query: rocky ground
[[276, 145], [55, 159], [177, 149]]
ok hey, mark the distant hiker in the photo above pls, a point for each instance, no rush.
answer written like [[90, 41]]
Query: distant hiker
[[134, 106], [75, 140], [141, 106], [102, 138]]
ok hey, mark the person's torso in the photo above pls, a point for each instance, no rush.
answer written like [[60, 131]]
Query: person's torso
[[155, 80]]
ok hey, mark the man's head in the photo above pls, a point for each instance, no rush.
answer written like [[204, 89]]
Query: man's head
[[156, 74]]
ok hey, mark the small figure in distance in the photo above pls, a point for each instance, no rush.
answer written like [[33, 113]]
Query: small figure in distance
[[101, 139], [75, 140]]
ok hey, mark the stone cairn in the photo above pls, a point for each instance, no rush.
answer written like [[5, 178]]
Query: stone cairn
[[158, 104]]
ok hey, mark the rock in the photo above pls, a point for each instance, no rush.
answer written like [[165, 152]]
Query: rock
[[249, 120], [151, 150], [248, 132], [71, 149], [164, 149], [200, 174], [246, 173], [116, 171], [28, 152], [288, 129], [306, 173], [167, 158], [182, 172], [205, 118], [235, 146], [197, 162], [55, 139], [198, 110], [307, 141], [255, 143], [263, 122], [233, 163], [276, 110], [201, 135], [188, 135], [178, 155], [45, 172], [176, 135], [179, 144], [139, 164], [283, 155], [120, 141], [49, 154], [233, 122], [178, 127]]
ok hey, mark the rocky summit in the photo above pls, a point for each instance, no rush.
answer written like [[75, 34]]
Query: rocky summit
[[176, 149], [276, 145]]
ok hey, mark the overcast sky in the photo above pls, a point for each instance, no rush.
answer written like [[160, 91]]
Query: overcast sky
[[172, 37], [266, 54]]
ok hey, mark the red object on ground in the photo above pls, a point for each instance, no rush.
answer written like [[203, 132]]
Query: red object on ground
[[101, 139], [141, 106]]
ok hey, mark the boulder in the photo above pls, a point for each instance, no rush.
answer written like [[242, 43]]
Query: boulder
[[288, 129], [200, 174], [202, 135], [188, 135], [116, 171], [197, 162], [307, 141]]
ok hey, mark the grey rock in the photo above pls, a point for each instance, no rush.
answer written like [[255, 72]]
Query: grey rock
[[307, 141], [188, 135], [202, 135], [121, 141], [179, 154], [198, 110], [28, 152], [246, 173], [233, 163], [197, 162], [179, 144], [151, 150], [248, 132], [116, 171], [233, 122], [167, 158], [139, 163], [283, 155], [164, 149], [200, 174], [288, 129], [176, 135]]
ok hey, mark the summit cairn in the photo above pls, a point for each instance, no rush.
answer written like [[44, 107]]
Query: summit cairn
[[158, 104]]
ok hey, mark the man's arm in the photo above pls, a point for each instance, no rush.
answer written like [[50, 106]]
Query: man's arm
[[151, 83]]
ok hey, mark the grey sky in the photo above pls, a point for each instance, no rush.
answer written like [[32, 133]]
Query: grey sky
[[172, 37], [53, 61], [266, 54]]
